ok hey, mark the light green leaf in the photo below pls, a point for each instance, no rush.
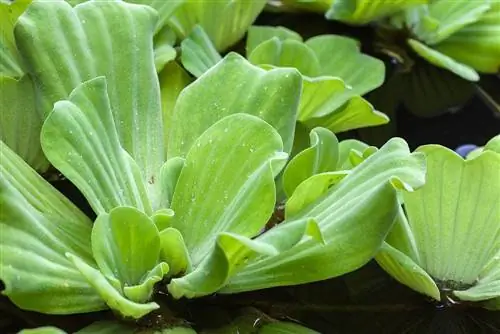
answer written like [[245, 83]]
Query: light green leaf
[[113, 298], [454, 218], [359, 12], [42, 330], [493, 144], [406, 271], [38, 225], [483, 37], [198, 52], [346, 149], [174, 252], [284, 327], [82, 43], [10, 64], [164, 8], [79, 138], [235, 86], [169, 174], [143, 292], [165, 52], [173, 79], [321, 157], [125, 244], [354, 217], [224, 21], [258, 34], [321, 96], [162, 218], [227, 183], [108, 327], [317, 6], [286, 53], [20, 124], [441, 60]]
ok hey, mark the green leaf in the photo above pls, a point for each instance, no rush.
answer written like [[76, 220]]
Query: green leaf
[[235, 86], [165, 52], [10, 64], [454, 217], [258, 34], [173, 79], [198, 52], [286, 53], [224, 21], [169, 175], [111, 296], [42, 330], [80, 139], [493, 144], [406, 271], [359, 12], [483, 37], [321, 96], [125, 244], [20, 124], [107, 327], [143, 292], [82, 43], [174, 252], [321, 157], [164, 8], [354, 217], [163, 218], [441, 60], [347, 148], [285, 327], [38, 226], [227, 183]]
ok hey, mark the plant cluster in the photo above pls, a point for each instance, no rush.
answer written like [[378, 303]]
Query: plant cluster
[[184, 172]]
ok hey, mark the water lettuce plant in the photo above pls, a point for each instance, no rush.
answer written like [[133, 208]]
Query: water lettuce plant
[[446, 243], [182, 175]]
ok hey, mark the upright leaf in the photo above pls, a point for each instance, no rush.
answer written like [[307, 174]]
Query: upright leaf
[[258, 34], [198, 52]]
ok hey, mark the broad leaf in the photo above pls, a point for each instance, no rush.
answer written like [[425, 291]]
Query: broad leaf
[[108, 292], [10, 64], [20, 123], [258, 34], [174, 252], [321, 96], [169, 175], [321, 157], [364, 204], [38, 225], [224, 21], [80, 139], [360, 12], [164, 8], [235, 86], [82, 43], [227, 183], [198, 53], [42, 330], [125, 244], [441, 60]]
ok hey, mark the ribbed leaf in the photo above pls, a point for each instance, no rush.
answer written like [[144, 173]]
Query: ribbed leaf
[[235, 86], [165, 9], [38, 225], [227, 183], [258, 34], [198, 52], [9, 58], [80, 139], [354, 217], [64, 46]]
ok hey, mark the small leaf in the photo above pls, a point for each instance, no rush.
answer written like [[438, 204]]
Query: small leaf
[[321, 96], [321, 157], [258, 34], [169, 174], [38, 225], [272, 95], [227, 183], [346, 148], [42, 330], [441, 60], [125, 244], [10, 64], [79, 138], [165, 9], [163, 218], [493, 144], [174, 252], [113, 298], [164, 52], [143, 292], [198, 52]]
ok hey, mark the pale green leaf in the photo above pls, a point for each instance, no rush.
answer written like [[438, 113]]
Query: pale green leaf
[[493, 144], [359, 12], [10, 64], [224, 21], [198, 52], [164, 8], [455, 218], [64, 46], [38, 225], [286, 53], [258, 34], [143, 292], [321, 157], [406, 271], [169, 174], [20, 123], [235, 86], [42, 330], [442, 60], [227, 183], [80, 139], [346, 149], [164, 52], [174, 252], [321, 96], [125, 244], [173, 79], [163, 218], [113, 298], [354, 217]]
